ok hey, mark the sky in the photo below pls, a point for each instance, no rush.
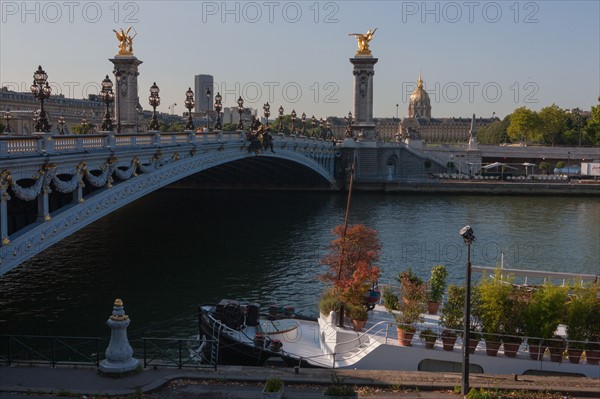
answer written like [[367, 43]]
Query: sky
[[481, 57]]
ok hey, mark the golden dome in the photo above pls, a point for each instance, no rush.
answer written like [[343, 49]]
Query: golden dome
[[419, 94]]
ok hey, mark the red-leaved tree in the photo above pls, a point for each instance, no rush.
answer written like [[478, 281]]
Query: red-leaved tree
[[351, 261]]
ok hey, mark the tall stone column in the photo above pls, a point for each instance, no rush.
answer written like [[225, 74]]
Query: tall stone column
[[364, 69], [126, 93], [119, 353]]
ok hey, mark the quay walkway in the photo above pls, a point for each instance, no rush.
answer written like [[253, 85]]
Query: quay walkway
[[70, 381]]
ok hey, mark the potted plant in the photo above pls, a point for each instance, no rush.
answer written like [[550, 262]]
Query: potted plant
[[495, 310], [579, 307], [592, 350], [390, 300], [338, 389], [429, 337], [351, 265], [329, 302], [556, 346], [273, 389], [452, 316], [414, 296], [359, 316], [543, 313], [437, 286], [512, 330]]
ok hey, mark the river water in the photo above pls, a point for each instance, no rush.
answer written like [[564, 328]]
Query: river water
[[175, 249]]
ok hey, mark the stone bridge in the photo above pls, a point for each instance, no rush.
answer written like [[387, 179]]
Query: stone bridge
[[52, 186]]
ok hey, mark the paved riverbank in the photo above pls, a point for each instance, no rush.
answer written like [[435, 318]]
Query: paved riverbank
[[67, 381], [485, 188]]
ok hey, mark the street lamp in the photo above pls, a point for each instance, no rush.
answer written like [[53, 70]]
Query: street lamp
[[208, 93], [154, 101], [84, 124], [189, 104], [7, 118], [303, 124], [467, 235], [280, 118], [218, 107], [328, 125], [349, 127], [321, 126], [397, 111], [41, 91], [240, 103], [267, 111], [118, 77], [61, 122], [107, 95], [313, 122], [293, 117]]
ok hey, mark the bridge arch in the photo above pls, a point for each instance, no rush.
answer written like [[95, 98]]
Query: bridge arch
[[135, 173]]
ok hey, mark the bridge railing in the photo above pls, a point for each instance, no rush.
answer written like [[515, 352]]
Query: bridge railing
[[46, 143], [14, 146]]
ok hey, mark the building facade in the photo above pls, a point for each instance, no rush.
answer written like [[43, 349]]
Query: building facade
[[203, 102], [24, 108], [421, 125]]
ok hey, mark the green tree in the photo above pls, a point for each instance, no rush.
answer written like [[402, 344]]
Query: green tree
[[494, 133], [2, 127], [592, 129], [524, 126], [553, 124], [83, 129], [229, 127]]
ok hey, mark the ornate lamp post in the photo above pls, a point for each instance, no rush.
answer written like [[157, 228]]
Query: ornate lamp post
[[154, 101], [189, 104], [118, 77], [280, 119], [328, 125], [41, 91], [61, 122], [84, 123], [303, 124], [208, 93], [293, 115], [240, 103], [267, 110], [467, 235], [321, 126], [107, 95], [349, 127], [218, 107], [7, 118], [313, 122]]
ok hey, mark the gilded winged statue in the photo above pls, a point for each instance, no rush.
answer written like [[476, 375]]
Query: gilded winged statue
[[363, 41], [125, 41]]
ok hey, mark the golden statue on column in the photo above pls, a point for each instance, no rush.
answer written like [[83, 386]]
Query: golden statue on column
[[363, 41], [125, 41]]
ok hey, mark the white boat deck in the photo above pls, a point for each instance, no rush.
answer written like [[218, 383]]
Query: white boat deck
[[376, 347]]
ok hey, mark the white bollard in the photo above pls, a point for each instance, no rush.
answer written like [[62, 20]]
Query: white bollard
[[119, 353]]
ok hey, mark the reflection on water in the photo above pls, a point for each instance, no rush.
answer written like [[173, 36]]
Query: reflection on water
[[169, 252]]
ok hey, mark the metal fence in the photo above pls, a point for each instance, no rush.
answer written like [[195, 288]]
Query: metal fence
[[58, 350], [180, 353], [48, 350]]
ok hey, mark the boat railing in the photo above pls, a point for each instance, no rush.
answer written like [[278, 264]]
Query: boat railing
[[538, 276]]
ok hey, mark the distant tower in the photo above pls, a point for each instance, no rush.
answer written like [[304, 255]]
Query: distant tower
[[419, 105], [201, 83]]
